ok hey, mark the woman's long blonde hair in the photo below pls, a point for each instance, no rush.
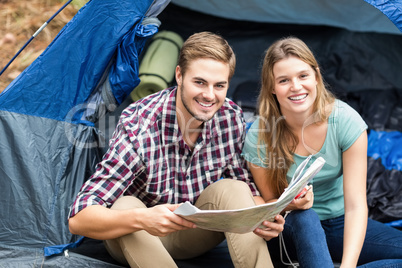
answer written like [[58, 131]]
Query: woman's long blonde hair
[[279, 140]]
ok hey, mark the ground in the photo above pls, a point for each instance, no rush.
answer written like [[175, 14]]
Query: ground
[[19, 20]]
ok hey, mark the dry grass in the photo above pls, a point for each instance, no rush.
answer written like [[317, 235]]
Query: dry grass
[[19, 20]]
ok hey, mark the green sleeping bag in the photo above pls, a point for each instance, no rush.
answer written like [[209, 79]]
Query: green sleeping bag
[[158, 65]]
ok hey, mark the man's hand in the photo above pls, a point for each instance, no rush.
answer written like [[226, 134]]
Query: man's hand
[[161, 221], [103, 223], [272, 229]]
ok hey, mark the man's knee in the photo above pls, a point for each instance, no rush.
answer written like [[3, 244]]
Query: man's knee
[[226, 194], [127, 202], [231, 186]]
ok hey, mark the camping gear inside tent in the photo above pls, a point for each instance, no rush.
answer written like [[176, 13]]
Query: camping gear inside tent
[[158, 64], [57, 116]]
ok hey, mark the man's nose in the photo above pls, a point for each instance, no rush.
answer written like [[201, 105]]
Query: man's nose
[[209, 93]]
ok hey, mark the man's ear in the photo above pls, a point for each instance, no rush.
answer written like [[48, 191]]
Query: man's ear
[[178, 75]]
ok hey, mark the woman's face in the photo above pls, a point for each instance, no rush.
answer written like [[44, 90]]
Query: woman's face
[[295, 86]]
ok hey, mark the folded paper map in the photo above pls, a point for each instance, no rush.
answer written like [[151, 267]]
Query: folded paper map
[[248, 219]]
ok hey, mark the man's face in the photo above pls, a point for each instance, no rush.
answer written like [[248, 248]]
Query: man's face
[[202, 89]]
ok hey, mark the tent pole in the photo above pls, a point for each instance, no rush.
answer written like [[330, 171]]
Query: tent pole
[[34, 35]]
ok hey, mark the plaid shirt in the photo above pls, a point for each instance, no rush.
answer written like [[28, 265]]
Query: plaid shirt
[[149, 159]]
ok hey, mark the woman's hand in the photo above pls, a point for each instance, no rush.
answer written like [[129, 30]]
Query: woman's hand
[[302, 203]]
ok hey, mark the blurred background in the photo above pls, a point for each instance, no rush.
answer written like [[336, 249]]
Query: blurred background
[[19, 20]]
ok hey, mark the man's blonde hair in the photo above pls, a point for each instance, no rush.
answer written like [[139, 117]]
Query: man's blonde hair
[[206, 45]]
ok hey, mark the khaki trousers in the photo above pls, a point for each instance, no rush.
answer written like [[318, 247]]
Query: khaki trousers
[[140, 249]]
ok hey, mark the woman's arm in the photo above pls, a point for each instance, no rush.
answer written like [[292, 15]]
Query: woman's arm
[[261, 181], [356, 212], [272, 229]]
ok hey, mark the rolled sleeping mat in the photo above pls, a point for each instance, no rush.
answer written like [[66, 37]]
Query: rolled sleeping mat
[[158, 65]]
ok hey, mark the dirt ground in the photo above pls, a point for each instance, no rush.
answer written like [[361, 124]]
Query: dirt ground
[[19, 20]]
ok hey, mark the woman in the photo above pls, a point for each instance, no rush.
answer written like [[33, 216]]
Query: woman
[[299, 117]]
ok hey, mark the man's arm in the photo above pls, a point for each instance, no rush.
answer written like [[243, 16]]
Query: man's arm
[[90, 214], [102, 223]]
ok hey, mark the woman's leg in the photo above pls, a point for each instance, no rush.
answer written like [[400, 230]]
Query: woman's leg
[[334, 233], [304, 240], [382, 244], [387, 263]]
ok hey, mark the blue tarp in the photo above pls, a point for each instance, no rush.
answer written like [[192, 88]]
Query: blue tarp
[[386, 145]]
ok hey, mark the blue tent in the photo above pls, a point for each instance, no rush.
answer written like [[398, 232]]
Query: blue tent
[[49, 143], [50, 139]]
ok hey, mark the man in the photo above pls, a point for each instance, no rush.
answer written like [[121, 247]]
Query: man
[[168, 148]]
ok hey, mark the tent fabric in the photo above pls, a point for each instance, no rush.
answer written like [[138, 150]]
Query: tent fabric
[[354, 15], [41, 170], [391, 8], [123, 75], [100, 37], [352, 62], [381, 107], [26, 258], [384, 188], [48, 140]]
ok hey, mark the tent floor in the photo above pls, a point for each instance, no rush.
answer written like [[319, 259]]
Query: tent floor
[[216, 258]]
